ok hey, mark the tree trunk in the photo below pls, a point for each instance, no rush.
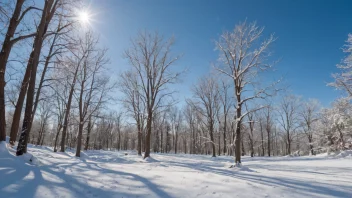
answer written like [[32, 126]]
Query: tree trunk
[[176, 138], [341, 138], [149, 131], [262, 137], [212, 140], [4, 55], [119, 142], [219, 144], [79, 139], [311, 145], [225, 123], [288, 143], [46, 64], [67, 112], [250, 137], [88, 132], [139, 146], [167, 140], [242, 146], [251, 147], [41, 144], [18, 109], [56, 137], [238, 136], [269, 148], [161, 140]]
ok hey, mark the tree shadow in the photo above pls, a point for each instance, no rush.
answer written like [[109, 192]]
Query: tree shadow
[[25, 180], [300, 187]]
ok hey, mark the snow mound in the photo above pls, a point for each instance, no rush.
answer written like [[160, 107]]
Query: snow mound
[[11, 152], [149, 159], [3, 148], [84, 155], [295, 154], [337, 154], [29, 158], [241, 168], [345, 154]]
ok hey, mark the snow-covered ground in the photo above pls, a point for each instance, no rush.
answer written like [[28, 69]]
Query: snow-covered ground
[[114, 174]]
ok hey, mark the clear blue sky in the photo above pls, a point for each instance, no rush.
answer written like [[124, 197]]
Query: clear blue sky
[[310, 34]]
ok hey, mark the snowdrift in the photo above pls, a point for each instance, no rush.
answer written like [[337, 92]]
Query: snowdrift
[[6, 151], [3, 149]]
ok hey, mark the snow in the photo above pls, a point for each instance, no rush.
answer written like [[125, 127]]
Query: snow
[[115, 174]]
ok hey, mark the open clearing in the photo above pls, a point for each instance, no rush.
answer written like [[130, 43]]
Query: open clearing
[[114, 174]]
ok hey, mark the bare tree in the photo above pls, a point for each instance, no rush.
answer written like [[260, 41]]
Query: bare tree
[[60, 111], [71, 67], [206, 102], [90, 126], [251, 138], [93, 86], [190, 117], [56, 47], [288, 118], [134, 102], [48, 12], [243, 58], [226, 104], [45, 113], [150, 57], [268, 115], [176, 121], [7, 44], [118, 125], [310, 114]]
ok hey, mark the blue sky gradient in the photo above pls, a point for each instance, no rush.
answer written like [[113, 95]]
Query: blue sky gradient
[[310, 35]]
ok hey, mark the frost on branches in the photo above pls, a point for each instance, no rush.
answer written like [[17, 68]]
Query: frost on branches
[[343, 80]]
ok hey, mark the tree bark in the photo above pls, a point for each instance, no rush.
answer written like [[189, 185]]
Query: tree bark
[[225, 130], [19, 104], [269, 148], [57, 136], [139, 146], [89, 127], [149, 131], [79, 139], [238, 136]]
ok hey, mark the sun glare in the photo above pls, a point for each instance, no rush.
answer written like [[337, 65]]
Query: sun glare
[[84, 17]]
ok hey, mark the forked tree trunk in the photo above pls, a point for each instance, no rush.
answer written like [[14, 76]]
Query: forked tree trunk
[[47, 14]]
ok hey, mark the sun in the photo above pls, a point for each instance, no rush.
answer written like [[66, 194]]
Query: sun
[[84, 17]]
